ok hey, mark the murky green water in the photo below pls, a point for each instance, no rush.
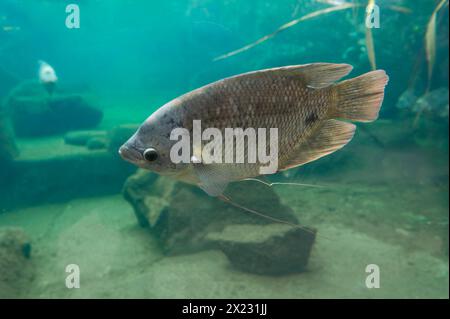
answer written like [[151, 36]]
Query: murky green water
[[382, 200]]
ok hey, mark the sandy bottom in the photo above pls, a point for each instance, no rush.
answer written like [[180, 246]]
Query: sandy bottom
[[117, 258]]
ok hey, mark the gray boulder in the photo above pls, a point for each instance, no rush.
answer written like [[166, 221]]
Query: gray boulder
[[81, 138], [36, 113], [97, 143], [273, 249], [184, 219]]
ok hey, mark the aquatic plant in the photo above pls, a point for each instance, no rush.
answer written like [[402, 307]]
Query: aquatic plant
[[430, 51], [430, 41], [370, 46], [286, 26], [340, 6], [430, 29]]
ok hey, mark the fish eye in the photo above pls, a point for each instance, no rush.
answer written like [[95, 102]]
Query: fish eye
[[150, 154]]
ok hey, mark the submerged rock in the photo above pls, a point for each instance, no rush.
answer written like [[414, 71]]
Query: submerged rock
[[93, 140], [35, 113], [15, 265], [184, 218], [81, 138], [97, 143], [97, 139], [273, 249]]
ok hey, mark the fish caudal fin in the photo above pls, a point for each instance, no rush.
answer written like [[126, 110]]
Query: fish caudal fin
[[360, 98]]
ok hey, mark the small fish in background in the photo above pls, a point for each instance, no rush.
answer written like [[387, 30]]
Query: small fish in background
[[47, 76], [302, 101]]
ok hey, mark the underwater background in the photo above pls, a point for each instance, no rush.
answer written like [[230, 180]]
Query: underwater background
[[67, 198]]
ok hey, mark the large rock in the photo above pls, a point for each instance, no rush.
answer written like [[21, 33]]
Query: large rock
[[48, 170], [97, 143], [273, 249], [16, 271], [82, 138], [184, 219], [35, 113], [97, 139]]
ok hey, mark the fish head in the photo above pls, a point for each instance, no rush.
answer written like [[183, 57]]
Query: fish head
[[149, 148]]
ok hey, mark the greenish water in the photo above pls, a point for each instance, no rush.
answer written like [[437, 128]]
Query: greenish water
[[383, 198]]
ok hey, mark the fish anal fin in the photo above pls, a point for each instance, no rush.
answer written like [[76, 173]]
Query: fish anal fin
[[330, 137]]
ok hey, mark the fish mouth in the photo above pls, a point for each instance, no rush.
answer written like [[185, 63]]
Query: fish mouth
[[130, 154]]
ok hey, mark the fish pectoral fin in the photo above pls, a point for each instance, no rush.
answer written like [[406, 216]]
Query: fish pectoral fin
[[330, 137], [213, 178]]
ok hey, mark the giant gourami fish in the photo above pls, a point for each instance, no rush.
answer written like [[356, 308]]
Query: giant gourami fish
[[310, 110]]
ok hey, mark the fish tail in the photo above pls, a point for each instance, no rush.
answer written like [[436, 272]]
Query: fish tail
[[359, 99]]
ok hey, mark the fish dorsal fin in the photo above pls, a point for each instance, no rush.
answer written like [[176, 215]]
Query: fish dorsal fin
[[320, 75], [214, 178], [330, 137], [314, 75]]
